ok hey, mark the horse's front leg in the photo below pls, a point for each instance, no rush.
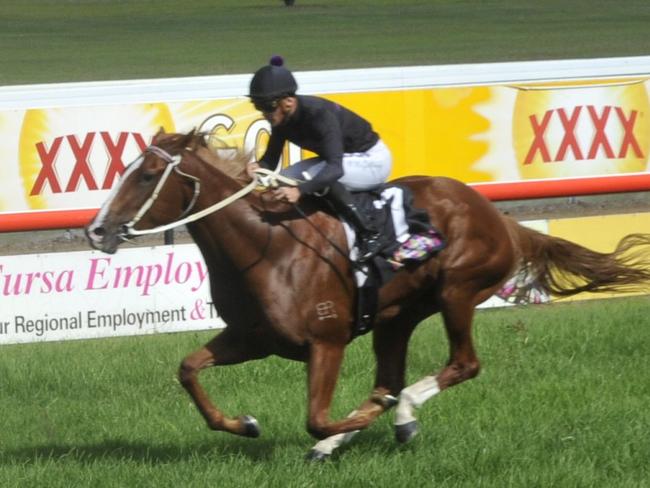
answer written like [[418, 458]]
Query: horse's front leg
[[226, 348], [324, 366], [379, 402], [390, 343]]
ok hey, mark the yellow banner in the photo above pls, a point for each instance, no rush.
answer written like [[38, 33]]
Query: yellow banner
[[505, 134], [69, 158], [599, 233]]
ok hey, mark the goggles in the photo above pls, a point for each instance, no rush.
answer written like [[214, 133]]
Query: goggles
[[266, 106]]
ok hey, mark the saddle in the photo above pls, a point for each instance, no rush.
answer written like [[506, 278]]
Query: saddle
[[408, 240]]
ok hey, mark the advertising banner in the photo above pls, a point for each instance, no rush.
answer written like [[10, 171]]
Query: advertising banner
[[90, 295], [57, 164], [138, 291], [519, 141], [87, 294]]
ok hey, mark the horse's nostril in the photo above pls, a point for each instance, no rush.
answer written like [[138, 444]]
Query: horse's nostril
[[98, 231]]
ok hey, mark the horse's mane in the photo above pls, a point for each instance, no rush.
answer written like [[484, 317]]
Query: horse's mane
[[231, 161]]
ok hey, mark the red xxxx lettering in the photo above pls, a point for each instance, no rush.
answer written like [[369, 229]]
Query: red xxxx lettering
[[82, 170], [569, 142]]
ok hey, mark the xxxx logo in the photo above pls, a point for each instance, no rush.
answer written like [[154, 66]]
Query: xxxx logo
[[82, 168], [605, 122]]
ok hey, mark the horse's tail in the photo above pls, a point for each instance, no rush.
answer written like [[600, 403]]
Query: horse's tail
[[563, 268]]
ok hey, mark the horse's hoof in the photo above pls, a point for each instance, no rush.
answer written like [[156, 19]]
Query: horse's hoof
[[406, 432], [314, 455], [251, 427]]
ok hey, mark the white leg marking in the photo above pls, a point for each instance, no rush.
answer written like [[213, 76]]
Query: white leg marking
[[413, 397], [329, 444]]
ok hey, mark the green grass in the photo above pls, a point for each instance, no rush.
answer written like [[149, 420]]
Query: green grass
[[561, 401], [75, 40]]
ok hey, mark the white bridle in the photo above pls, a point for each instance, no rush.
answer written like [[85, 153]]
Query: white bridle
[[263, 177]]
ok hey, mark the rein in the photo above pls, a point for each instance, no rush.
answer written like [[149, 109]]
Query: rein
[[262, 177]]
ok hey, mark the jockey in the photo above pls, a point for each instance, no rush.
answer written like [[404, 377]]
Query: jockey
[[350, 155]]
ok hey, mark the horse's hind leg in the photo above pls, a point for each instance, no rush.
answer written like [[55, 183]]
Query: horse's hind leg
[[226, 348], [462, 365]]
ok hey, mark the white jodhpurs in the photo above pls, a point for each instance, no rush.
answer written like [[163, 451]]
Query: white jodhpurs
[[361, 171]]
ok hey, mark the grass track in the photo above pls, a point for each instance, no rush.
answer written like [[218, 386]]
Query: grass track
[[50, 40], [562, 401]]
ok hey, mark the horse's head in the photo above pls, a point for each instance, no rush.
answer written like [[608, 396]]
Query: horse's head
[[149, 193]]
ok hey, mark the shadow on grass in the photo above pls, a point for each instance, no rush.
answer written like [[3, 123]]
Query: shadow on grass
[[141, 452], [371, 443], [376, 443]]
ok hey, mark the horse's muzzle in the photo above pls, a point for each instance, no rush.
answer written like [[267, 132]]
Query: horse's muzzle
[[101, 239]]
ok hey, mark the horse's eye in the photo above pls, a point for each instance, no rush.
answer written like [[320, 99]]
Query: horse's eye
[[147, 177]]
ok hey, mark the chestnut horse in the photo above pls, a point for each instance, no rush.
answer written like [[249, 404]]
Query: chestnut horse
[[282, 282]]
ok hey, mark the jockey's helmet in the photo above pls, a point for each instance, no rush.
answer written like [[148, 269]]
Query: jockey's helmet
[[272, 81]]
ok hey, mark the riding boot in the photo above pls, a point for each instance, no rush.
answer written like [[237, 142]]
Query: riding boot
[[368, 239]]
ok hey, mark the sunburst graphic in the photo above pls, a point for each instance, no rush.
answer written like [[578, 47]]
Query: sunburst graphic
[[55, 144], [499, 161], [53, 134], [566, 131], [590, 131], [11, 194], [429, 131]]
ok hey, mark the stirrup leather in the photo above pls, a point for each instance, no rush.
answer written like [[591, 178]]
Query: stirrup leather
[[368, 246]]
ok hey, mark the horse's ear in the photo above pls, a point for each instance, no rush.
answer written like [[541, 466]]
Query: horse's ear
[[192, 140], [158, 135]]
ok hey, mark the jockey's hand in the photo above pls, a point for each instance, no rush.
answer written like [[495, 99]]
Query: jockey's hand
[[251, 167], [289, 194]]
